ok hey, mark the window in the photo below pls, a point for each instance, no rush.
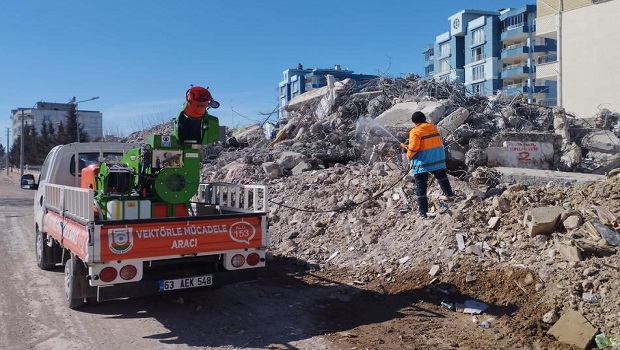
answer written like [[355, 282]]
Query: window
[[428, 55], [477, 37], [513, 22], [429, 70], [476, 89], [444, 49], [444, 65], [477, 54], [478, 72]]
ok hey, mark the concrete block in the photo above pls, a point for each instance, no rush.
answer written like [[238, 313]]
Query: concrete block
[[517, 154], [569, 253], [493, 222], [572, 328], [460, 241], [601, 141], [536, 177], [272, 170], [542, 220], [452, 121]]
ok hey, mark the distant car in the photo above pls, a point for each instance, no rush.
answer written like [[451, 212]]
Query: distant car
[[28, 183]]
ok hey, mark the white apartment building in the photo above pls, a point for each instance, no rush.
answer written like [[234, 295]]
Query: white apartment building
[[44, 112], [587, 63]]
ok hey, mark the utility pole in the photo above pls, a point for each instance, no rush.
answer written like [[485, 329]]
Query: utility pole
[[6, 153], [21, 148], [77, 115]]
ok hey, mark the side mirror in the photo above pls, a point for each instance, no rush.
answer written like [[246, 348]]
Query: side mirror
[[27, 182], [214, 104]]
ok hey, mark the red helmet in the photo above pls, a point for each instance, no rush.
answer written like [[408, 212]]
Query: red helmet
[[198, 99]]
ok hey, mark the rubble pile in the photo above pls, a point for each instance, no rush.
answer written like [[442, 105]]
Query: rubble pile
[[341, 199]]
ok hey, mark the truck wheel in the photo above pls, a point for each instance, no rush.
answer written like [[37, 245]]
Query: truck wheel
[[74, 274], [43, 251]]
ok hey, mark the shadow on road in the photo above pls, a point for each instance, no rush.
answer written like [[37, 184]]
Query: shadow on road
[[286, 305]]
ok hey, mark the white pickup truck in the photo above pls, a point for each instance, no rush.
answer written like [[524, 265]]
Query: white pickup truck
[[133, 244]]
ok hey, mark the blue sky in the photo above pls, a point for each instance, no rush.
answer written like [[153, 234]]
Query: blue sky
[[139, 57]]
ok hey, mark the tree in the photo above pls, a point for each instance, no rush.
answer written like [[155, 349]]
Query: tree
[[73, 127], [61, 137], [2, 151]]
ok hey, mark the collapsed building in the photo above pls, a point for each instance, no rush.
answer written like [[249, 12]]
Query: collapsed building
[[339, 193], [348, 122]]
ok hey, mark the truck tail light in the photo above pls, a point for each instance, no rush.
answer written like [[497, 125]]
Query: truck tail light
[[237, 260], [253, 259], [108, 274], [128, 272]]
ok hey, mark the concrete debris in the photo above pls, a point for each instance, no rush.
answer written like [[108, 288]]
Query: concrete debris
[[350, 205], [434, 270], [572, 328], [542, 220]]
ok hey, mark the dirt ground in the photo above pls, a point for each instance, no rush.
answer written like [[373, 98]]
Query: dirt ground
[[291, 306]]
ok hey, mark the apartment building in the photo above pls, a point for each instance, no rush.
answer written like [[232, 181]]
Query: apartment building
[[299, 80], [585, 65], [520, 51], [489, 51], [45, 112]]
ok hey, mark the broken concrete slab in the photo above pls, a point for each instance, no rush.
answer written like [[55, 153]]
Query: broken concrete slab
[[288, 160], [460, 241], [272, 170], [536, 177], [399, 116], [572, 328], [572, 222], [601, 141], [452, 121], [542, 220], [313, 96], [569, 253]]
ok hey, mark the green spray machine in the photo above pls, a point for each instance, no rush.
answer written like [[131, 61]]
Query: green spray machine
[[159, 178]]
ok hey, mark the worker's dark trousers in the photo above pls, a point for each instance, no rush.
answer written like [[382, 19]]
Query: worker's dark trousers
[[421, 184]]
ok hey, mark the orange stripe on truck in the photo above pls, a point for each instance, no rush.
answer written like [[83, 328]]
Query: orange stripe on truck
[[144, 240]]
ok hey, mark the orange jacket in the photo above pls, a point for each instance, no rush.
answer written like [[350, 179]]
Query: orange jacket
[[425, 149]]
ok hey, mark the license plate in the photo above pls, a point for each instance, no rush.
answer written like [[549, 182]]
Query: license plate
[[183, 283]]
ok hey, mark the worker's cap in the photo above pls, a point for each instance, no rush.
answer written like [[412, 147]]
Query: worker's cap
[[418, 117]]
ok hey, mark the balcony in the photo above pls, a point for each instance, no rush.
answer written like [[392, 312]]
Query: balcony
[[515, 71], [520, 88], [548, 102], [516, 51], [547, 67], [550, 58], [546, 27], [519, 31], [513, 89]]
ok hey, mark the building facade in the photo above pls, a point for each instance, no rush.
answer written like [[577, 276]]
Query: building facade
[[491, 51], [299, 80], [585, 65], [46, 112]]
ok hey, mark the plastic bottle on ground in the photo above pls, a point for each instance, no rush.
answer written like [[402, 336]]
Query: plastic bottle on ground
[[487, 323]]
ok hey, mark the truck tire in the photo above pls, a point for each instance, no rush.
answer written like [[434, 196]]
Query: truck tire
[[75, 276], [44, 252]]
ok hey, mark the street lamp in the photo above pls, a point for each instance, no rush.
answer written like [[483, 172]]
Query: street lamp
[[21, 143], [77, 115]]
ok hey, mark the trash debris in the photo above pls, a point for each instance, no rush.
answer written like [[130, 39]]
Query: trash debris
[[448, 305], [589, 297], [474, 307], [487, 323], [602, 341]]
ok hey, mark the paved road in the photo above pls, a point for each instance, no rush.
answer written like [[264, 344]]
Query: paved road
[[275, 310]]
